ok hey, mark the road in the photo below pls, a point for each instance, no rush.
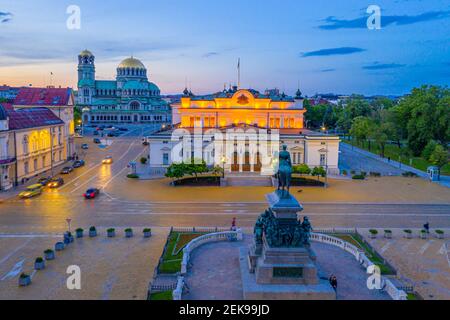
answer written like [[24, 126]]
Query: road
[[48, 212]]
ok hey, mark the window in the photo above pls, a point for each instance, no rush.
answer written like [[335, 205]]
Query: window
[[165, 159], [35, 165], [25, 145], [323, 159], [26, 168], [135, 105]]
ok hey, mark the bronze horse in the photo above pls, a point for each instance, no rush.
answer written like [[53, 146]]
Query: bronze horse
[[284, 171]]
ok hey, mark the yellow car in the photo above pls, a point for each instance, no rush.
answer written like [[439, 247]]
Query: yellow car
[[107, 160], [31, 191]]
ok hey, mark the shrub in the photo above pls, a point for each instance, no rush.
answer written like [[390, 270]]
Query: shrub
[[39, 260], [439, 232], [301, 169], [48, 251], [132, 176], [387, 231], [373, 231], [147, 230], [92, 228], [143, 160], [358, 177], [363, 173], [23, 275], [111, 230], [344, 172], [423, 231], [128, 230], [407, 231], [79, 230]]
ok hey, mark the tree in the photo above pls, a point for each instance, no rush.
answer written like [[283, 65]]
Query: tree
[[360, 128], [380, 133], [196, 167], [439, 157], [176, 171], [429, 149], [319, 172], [302, 169]]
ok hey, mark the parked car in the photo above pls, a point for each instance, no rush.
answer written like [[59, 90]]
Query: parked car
[[55, 183], [66, 170], [97, 141], [44, 180], [32, 191], [91, 193], [78, 163], [85, 146], [107, 160]]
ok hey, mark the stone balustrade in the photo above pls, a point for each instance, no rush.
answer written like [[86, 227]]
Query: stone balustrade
[[364, 261]]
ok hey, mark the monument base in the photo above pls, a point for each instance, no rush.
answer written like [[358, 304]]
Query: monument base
[[320, 290]]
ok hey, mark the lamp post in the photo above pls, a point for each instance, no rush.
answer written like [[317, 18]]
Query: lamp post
[[223, 160]]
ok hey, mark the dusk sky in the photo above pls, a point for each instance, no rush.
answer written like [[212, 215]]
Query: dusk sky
[[323, 45]]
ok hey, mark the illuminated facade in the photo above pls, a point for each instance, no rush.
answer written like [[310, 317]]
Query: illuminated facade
[[249, 112], [32, 141]]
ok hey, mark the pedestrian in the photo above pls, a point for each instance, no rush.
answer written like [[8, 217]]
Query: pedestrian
[[426, 226], [333, 282], [389, 159], [233, 224]]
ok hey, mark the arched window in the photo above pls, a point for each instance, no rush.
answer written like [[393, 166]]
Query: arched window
[[25, 144], [134, 105]]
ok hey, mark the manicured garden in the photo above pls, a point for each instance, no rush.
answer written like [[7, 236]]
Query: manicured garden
[[173, 253], [356, 240], [163, 295]]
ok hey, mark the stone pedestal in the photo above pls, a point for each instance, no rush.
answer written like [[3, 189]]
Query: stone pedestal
[[281, 267]]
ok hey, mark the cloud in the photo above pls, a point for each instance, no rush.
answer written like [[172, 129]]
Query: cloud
[[210, 54], [5, 17], [383, 66], [332, 52], [332, 23], [328, 70]]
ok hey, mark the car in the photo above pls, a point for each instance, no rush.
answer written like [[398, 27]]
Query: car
[[78, 163], [107, 160], [55, 183], [85, 146], [44, 180], [95, 133], [31, 191], [97, 141], [91, 193], [66, 170]]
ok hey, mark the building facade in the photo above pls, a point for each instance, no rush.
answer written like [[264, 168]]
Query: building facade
[[131, 98], [249, 118], [32, 141], [60, 101]]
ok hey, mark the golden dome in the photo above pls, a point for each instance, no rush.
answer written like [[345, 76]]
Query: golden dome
[[86, 53], [131, 63]]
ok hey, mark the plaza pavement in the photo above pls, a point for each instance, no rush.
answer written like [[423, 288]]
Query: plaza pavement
[[215, 272], [111, 268]]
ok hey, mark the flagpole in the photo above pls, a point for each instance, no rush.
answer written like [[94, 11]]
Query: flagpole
[[239, 73]]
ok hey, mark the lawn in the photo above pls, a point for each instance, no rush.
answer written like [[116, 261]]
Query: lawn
[[357, 241], [164, 295], [394, 152], [174, 255]]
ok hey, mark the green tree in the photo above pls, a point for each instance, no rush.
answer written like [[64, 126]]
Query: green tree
[[176, 171], [360, 129], [319, 172], [302, 169], [439, 157], [429, 149]]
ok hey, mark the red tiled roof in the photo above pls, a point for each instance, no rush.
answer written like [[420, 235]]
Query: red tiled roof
[[43, 97], [30, 118]]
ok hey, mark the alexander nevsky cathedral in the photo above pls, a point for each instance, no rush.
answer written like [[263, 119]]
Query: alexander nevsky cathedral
[[131, 98]]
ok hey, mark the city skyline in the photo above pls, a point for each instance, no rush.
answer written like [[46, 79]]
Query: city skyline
[[321, 47]]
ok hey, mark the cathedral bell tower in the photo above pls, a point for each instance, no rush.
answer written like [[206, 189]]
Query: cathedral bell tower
[[86, 77]]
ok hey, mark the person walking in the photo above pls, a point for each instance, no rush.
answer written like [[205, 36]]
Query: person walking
[[333, 282], [426, 226]]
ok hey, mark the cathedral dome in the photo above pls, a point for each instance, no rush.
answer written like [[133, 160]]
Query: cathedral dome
[[131, 63], [86, 53]]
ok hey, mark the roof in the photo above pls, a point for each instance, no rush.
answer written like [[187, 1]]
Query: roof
[[106, 84], [131, 63], [31, 118], [86, 53], [43, 97]]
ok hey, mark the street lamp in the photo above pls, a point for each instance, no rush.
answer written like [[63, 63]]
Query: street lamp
[[223, 160]]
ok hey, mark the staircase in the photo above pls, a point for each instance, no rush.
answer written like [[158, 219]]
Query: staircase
[[248, 180]]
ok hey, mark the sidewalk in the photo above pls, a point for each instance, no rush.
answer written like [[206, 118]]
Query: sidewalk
[[445, 180]]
